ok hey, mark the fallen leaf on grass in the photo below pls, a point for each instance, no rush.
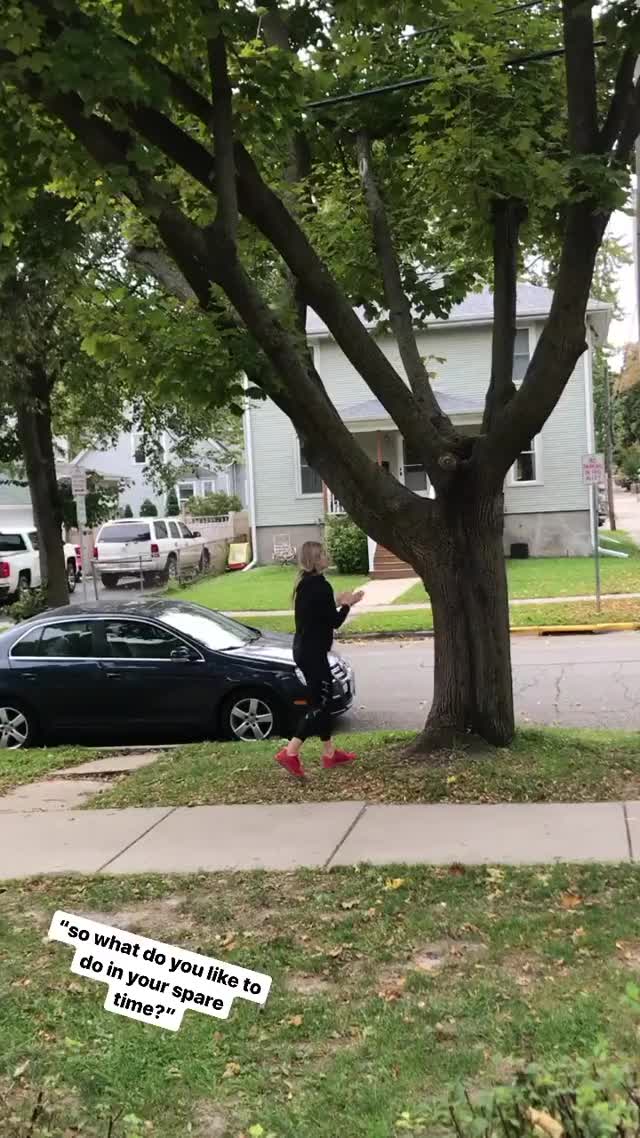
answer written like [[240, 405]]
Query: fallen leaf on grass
[[394, 883], [391, 992], [570, 900], [295, 1021], [446, 1031], [348, 904], [21, 1068], [545, 1124], [230, 1070]]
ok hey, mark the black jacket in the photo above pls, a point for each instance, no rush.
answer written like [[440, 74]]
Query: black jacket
[[316, 615]]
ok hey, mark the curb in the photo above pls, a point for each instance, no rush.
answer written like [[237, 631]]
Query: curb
[[520, 630]]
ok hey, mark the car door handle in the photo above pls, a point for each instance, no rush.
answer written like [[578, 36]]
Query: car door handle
[[29, 676], [113, 675]]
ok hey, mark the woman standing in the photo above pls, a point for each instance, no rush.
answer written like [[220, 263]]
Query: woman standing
[[317, 617]]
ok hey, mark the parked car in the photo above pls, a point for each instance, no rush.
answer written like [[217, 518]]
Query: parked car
[[148, 668], [20, 563], [603, 506], [159, 547]]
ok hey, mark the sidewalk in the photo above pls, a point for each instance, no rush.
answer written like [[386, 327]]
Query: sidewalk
[[313, 835], [362, 608]]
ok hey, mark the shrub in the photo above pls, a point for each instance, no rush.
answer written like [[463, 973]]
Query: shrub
[[347, 546], [591, 1098], [173, 505], [214, 505], [630, 463], [31, 604], [148, 509], [127, 512]]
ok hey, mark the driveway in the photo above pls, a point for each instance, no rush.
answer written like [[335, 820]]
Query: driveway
[[570, 681], [627, 507]]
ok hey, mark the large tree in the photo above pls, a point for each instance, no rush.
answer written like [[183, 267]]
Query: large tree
[[509, 132]]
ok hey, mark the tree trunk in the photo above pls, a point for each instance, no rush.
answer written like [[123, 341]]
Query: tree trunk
[[36, 440], [464, 572]]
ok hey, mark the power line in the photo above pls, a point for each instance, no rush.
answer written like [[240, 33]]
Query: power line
[[423, 81]]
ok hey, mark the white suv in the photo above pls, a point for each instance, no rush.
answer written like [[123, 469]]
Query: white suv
[[159, 547]]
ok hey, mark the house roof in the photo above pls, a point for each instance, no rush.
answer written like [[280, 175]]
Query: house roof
[[371, 411], [477, 308]]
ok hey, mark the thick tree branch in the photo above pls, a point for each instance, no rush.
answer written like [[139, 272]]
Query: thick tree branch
[[399, 308], [507, 217], [621, 105], [580, 67], [222, 123], [164, 271]]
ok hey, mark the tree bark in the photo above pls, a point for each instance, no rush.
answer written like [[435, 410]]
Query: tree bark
[[36, 439], [463, 568]]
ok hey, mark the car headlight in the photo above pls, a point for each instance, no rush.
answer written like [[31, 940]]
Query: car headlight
[[300, 677]]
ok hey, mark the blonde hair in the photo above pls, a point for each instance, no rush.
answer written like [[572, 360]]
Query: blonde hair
[[309, 560]]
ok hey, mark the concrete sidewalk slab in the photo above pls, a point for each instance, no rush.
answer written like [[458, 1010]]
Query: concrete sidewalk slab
[[54, 794], [112, 764], [82, 842], [513, 834], [208, 838]]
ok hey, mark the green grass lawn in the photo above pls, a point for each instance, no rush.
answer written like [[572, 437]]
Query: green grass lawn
[[542, 765], [269, 587], [563, 576], [421, 620], [390, 985]]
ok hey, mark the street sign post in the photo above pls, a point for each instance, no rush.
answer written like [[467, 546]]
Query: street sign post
[[593, 475], [79, 491]]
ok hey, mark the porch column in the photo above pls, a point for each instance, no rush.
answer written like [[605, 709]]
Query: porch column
[[400, 457]]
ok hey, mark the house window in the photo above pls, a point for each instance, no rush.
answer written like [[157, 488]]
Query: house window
[[186, 491], [526, 467], [415, 474], [521, 355], [138, 448], [310, 482], [208, 487]]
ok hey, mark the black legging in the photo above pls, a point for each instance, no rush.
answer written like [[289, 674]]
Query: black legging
[[317, 673]]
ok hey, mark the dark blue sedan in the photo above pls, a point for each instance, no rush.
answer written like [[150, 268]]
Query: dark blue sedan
[[147, 669]]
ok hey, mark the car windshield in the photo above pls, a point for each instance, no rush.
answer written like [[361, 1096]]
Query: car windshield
[[210, 628], [127, 531]]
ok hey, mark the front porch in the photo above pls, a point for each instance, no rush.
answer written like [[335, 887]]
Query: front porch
[[382, 442]]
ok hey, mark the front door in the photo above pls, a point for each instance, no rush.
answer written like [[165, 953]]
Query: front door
[[153, 679]]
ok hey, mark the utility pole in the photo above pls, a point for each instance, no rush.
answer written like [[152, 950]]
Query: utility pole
[[609, 446]]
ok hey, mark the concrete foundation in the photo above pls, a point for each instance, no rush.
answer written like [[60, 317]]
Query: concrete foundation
[[565, 534], [296, 534]]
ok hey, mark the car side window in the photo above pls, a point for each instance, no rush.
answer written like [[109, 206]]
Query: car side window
[[185, 531], [71, 639], [138, 640], [28, 646], [161, 529], [173, 529]]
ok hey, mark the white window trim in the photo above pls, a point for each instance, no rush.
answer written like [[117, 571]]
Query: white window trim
[[298, 472], [185, 482], [539, 478]]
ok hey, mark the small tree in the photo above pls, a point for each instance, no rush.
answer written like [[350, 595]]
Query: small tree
[[173, 505], [127, 512], [148, 509]]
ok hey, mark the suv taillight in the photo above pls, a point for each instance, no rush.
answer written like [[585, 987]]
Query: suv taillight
[[5, 569], [155, 549], [95, 553]]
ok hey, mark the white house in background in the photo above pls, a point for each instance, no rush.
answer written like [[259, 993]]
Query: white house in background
[[547, 505], [126, 461]]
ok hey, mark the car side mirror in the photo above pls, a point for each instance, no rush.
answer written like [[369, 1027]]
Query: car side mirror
[[184, 653], [196, 533]]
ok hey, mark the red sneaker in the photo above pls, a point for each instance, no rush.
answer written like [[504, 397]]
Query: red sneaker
[[291, 763], [337, 759]]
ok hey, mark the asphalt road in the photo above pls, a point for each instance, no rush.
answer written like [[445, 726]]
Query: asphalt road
[[571, 681]]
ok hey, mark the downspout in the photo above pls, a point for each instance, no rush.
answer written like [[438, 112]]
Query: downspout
[[248, 449]]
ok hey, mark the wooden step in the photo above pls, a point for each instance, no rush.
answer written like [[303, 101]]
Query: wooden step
[[392, 574], [388, 567]]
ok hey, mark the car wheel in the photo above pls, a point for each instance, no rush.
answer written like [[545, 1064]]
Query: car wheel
[[109, 580], [71, 576], [17, 726], [250, 717], [171, 569], [24, 586]]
